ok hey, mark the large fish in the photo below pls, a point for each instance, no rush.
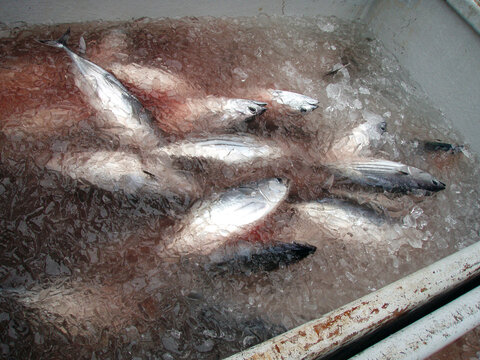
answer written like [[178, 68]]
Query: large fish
[[340, 220], [123, 171], [180, 107], [196, 111], [230, 149], [108, 96], [214, 221], [389, 175]]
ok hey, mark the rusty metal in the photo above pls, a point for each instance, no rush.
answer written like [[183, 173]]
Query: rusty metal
[[431, 333], [350, 322]]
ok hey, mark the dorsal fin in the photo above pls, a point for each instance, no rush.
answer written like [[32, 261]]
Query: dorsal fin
[[64, 38]]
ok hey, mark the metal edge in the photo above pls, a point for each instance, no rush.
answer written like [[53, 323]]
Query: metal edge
[[430, 334]]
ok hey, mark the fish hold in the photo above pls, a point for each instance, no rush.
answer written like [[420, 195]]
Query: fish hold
[[389, 175], [121, 171], [107, 95], [230, 149], [256, 259], [214, 221]]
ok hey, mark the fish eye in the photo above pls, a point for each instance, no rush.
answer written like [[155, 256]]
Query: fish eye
[[252, 109], [280, 180]]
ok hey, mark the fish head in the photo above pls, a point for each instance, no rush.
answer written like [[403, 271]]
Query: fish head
[[274, 190], [246, 108], [295, 101], [426, 181]]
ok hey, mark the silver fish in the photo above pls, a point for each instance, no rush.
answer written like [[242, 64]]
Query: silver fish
[[389, 175], [122, 108], [230, 149], [120, 171], [361, 137], [212, 222], [340, 220], [294, 101]]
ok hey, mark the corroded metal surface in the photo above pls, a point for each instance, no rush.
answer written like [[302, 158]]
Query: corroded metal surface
[[352, 321], [431, 333]]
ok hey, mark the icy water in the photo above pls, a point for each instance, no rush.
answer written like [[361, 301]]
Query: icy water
[[80, 273]]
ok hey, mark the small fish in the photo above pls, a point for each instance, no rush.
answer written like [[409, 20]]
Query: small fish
[[295, 101], [230, 149], [432, 146], [389, 175], [336, 70], [114, 99], [361, 137], [214, 221]]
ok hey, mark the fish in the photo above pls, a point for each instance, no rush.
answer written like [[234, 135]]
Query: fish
[[196, 111], [230, 149], [214, 221], [123, 171], [360, 138], [388, 175], [108, 96], [340, 220], [438, 145], [253, 259], [295, 101]]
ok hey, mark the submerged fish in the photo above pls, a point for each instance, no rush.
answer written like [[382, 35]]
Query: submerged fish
[[214, 221], [389, 175], [316, 221], [294, 101], [361, 137], [432, 146], [108, 95], [253, 259], [122, 171], [230, 149]]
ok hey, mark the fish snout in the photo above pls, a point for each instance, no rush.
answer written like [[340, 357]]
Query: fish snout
[[437, 185], [308, 108], [257, 108]]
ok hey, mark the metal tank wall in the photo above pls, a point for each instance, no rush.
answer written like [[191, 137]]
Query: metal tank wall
[[440, 50]]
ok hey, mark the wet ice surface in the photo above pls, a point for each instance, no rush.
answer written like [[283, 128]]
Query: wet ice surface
[[79, 273]]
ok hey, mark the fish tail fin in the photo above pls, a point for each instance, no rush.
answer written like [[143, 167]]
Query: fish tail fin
[[60, 43]]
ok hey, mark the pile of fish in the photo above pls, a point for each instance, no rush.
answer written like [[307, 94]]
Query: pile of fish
[[147, 164]]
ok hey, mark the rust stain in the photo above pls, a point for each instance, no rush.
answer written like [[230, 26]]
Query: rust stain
[[302, 333], [384, 306], [277, 348], [423, 289], [319, 328], [375, 311], [334, 333]]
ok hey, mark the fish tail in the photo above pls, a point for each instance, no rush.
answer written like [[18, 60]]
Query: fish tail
[[60, 43]]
